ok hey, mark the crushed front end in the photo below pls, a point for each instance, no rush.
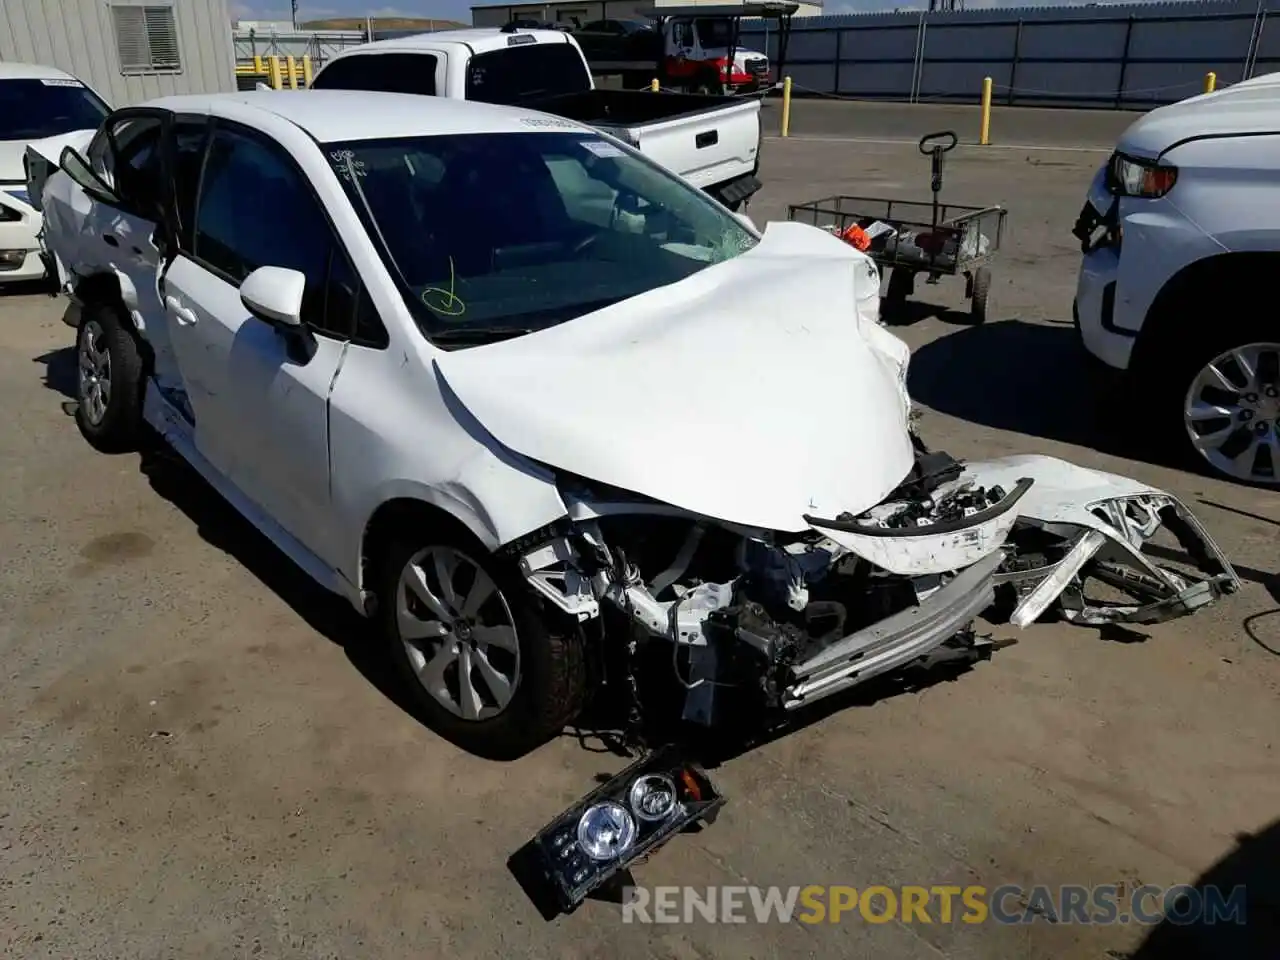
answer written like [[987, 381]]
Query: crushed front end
[[780, 621]]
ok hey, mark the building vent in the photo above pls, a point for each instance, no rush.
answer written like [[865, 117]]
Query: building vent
[[146, 39]]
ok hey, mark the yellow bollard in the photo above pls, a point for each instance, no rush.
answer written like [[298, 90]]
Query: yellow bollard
[[786, 106], [306, 71], [654, 85], [985, 136], [273, 73], [293, 73], [257, 65], [1210, 82]]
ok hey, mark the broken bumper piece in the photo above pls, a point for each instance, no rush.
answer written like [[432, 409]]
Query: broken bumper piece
[[627, 818], [1108, 527], [898, 640]]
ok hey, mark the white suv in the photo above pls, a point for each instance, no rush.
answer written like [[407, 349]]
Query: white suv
[[1181, 241]]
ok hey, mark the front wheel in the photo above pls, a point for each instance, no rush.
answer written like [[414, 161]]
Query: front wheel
[[490, 672], [109, 380], [1231, 407]]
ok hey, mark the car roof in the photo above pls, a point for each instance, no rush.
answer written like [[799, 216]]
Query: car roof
[[479, 39], [31, 71], [334, 115]]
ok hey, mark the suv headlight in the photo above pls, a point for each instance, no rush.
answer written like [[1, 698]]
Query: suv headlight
[[1129, 177]]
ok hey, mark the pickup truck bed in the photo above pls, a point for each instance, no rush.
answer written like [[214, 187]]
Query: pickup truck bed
[[701, 137]]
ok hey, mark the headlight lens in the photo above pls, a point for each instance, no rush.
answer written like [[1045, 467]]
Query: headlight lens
[[606, 830], [1141, 178], [653, 796]]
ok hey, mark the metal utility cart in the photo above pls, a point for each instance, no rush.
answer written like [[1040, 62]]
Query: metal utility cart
[[914, 236]]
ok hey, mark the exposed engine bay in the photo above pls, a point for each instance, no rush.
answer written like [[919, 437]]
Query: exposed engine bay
[[783, 620]]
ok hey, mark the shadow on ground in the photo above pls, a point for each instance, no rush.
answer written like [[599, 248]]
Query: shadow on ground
[[60, 371], [1030, 378], [220, 525], [1251, 932]]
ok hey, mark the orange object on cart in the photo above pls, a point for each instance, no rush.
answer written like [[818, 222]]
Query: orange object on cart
[[856, 237]]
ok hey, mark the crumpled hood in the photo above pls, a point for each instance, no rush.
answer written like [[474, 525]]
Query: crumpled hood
[[12, 151], [752, 392], [1251, 107]]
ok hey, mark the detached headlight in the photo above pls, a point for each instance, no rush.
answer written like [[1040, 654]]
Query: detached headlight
[[630, 816], [1140, 178], [606, 831]]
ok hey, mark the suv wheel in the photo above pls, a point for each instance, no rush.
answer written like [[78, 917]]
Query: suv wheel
[[108, 380], [484, 663], [1231, 406]]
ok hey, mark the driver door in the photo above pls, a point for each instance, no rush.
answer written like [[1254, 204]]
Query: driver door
[[259, 393]]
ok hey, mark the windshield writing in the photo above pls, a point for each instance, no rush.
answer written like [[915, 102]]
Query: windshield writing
[[522, 231]]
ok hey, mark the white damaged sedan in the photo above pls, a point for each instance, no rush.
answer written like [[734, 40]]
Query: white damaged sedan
[[542, 409]]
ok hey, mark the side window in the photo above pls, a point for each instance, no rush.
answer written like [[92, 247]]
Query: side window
[[126, 154], [190, 136], [255, 210], [385, 72]]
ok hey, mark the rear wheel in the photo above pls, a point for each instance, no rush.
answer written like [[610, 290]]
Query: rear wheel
[[488, 667], [979, 292], [109, 380]]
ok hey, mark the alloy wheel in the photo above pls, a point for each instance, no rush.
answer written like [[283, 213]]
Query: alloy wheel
[[1232, 412], [458, 632], [95, 372]]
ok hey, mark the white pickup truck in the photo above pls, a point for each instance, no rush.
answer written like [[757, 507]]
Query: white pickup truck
[[713, 142]]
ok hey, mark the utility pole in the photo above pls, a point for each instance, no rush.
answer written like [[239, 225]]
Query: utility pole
[[293, 17]]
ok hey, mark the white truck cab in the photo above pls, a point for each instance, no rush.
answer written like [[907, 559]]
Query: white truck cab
[[711, 141], [1180, 236]]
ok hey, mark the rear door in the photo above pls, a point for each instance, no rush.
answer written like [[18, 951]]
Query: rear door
[[123, 234]]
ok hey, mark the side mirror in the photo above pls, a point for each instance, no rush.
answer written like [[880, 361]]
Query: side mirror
[[274, 296], [78, 169]]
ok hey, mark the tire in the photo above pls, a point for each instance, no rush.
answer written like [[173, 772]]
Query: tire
[[1172, 372], [544, 665], [108, 358], [980, 292]]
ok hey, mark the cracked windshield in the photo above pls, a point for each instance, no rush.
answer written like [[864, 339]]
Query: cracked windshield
[[495, 235]]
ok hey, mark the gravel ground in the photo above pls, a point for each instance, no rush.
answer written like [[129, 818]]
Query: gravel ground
[[201, 755]]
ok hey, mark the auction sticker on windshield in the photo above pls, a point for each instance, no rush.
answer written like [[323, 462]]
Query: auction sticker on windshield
[[59, 82], [602, 148]]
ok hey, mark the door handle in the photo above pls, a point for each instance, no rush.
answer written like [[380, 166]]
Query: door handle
[[184, 315], [110, 240]]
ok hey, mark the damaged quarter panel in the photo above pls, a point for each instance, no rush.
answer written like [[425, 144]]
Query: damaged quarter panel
[[748, 392]]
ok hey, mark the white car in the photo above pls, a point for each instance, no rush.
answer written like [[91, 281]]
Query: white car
[[1180, 233], [35, 103], [544, 409]]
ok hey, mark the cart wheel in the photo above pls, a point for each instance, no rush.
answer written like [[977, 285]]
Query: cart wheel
[[979, 290]]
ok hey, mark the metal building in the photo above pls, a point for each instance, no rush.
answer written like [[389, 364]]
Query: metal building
[[127, 50]]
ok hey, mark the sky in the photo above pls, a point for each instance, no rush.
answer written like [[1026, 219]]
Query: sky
[[461, 9]]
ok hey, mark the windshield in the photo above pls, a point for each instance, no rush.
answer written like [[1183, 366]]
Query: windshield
[[34, 109], [497, 234], [516, 74], [715, 33]]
